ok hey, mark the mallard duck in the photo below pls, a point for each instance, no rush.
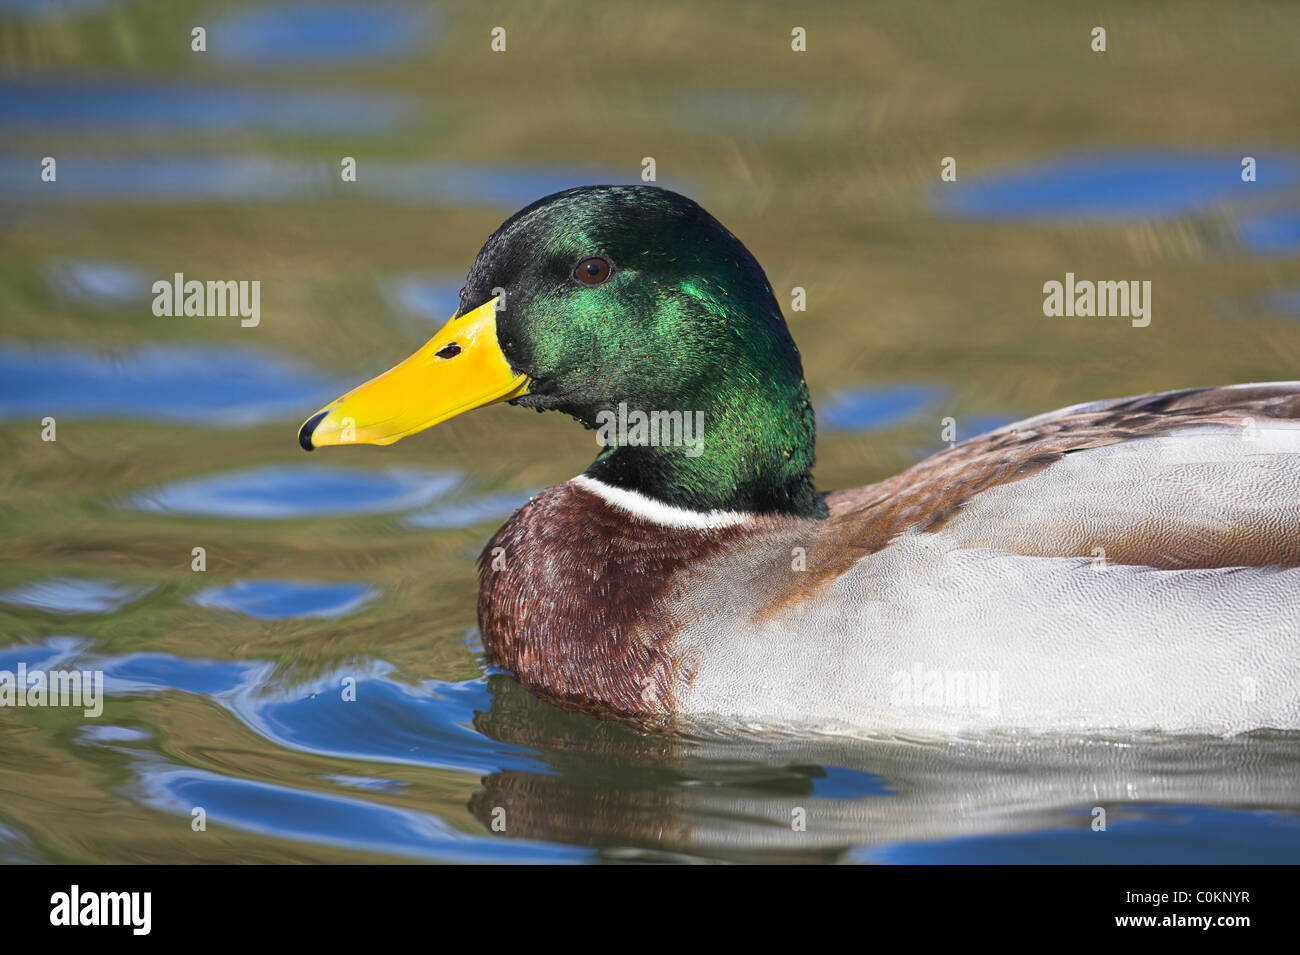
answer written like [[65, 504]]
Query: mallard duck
[[1131, 564]]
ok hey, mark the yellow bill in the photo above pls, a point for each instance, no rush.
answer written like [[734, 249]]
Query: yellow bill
[[459, 369]]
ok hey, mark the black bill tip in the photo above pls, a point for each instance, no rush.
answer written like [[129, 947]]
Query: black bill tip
[[304, 435]]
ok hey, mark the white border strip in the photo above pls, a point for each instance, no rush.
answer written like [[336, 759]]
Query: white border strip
[[648, 509]]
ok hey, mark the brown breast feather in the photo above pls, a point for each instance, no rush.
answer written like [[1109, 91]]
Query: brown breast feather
[[580, 603]]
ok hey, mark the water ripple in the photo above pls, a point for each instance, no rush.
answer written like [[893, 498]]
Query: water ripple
[[211, 385], [73, 595], [297, 491], [1119, 186], [273, 599], [294, 34]]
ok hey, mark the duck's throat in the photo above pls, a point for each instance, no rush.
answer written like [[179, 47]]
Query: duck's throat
[[751, 457]]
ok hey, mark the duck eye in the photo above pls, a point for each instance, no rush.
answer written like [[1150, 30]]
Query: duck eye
[[592, 271]]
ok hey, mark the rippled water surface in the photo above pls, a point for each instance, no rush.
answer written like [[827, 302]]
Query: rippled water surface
[[289, 643]]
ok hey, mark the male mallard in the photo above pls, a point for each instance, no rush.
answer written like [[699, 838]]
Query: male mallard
[[1126, 564]]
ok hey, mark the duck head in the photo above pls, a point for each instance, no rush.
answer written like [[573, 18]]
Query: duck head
[[604, 301]]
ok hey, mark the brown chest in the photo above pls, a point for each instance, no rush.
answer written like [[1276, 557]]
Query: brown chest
[[582, 601]]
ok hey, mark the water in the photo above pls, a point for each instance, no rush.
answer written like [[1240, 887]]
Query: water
[[289, 642], [71, 595], [1284, 301], [271, 179], [215, 386], [207, 109], [298, 33], [101, 283], [433, 298], [1276, 234], [1115, 186], [296, 491], [701, 796], [38, 8], [870, 408], [287, 599]]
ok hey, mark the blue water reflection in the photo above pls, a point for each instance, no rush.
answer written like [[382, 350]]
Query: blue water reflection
[[51, 8], [98, 282], [866, 409], [427, 725], [837, 782], [1277, 233], [287, 599], [432, 297], [1137, 835], [333, 820], [298, 491], [110, 735], [482, 184], [50, 653], [388, 722], [153, 672], [368, 783], [294, 34], [211, 385], [968, 427], [1121, 186], [241, 178], [115, 105], [72, 595]]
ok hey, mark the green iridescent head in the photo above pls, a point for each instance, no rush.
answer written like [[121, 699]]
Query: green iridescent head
[[609, 301]]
